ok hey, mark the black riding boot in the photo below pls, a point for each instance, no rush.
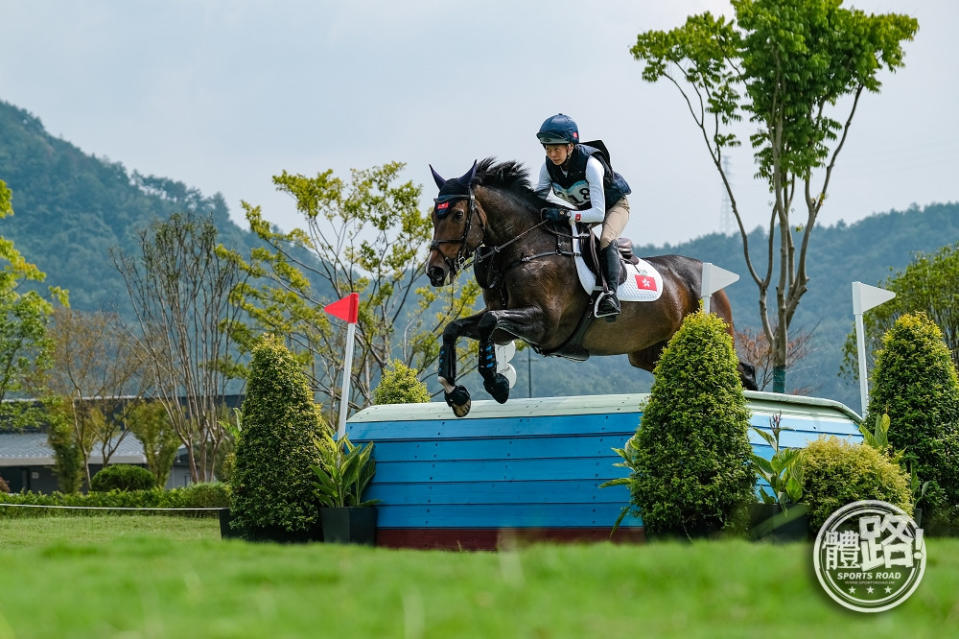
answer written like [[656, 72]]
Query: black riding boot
[[608, 304]]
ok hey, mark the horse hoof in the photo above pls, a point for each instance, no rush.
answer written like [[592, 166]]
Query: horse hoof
[[459, 401], [498, 387]]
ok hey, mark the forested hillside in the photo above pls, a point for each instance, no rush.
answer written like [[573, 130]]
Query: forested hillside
[[72, 209]]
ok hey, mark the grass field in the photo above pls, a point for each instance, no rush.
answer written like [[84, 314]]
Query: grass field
[[163, 577]]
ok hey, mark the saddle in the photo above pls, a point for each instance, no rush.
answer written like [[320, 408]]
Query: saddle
[[591, 249]]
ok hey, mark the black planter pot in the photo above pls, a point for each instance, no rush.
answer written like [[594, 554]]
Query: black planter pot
[[226, 530], [769, 523], [349, 525]]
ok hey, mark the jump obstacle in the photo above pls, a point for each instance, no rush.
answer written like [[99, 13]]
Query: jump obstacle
[[531, 469]]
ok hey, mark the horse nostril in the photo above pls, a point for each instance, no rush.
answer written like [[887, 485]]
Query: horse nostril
[[436, 275]]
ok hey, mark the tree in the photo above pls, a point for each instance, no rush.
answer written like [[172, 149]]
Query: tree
[[400, 385], [757, 351], [149, 423], [180, 288], [691, 455], [365, 236], [930, 285], [69, 462], [792, 67], [272, 482], [98, 369], [25, 346], [915, 383]]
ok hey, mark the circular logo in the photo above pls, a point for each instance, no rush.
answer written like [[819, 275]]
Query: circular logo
[[870, 556]]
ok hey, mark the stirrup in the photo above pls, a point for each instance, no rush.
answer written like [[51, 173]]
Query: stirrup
[[611, 311]]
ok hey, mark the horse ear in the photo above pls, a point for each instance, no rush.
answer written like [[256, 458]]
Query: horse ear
[[437, 178], [467, 179]]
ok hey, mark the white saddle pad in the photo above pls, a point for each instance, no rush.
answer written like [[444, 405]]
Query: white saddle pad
[[643, 282]]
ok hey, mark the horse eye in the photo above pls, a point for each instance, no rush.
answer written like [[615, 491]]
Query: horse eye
[[459, 215]]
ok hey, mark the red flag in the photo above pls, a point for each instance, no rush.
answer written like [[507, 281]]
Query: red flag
[[346, 309], [645, 283]]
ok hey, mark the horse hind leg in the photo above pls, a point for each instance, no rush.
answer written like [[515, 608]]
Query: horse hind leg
[[647, 358]]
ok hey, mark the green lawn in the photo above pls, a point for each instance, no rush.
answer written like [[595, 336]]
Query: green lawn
[[130, 576]]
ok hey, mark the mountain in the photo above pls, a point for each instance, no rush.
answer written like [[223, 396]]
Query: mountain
[[72, 209]]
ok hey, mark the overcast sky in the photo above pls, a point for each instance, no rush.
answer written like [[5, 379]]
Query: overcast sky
[[222, 95]]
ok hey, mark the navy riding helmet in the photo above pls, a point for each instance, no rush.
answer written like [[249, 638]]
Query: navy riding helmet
[[558, 129]]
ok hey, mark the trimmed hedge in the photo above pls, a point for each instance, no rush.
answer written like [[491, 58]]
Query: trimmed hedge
[[211, 495], [272, 481], [915, 382], [837, 473], [124, 477], [400, 385], [691, 458]]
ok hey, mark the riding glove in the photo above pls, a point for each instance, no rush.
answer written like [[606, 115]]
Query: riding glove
[[555, 215]]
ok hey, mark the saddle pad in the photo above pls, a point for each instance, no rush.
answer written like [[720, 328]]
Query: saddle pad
[[643, 282]]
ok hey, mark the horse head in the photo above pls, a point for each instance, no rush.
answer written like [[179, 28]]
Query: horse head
[[458, 226]]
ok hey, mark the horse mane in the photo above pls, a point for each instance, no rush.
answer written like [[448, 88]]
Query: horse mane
[[510, 177]]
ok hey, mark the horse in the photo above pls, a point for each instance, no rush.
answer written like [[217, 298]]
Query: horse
[[526, 269]]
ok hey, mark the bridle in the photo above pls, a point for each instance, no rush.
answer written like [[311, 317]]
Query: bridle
[[464, 253]]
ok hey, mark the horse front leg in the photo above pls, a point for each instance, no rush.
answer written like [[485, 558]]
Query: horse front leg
[[457, 397], [525, 323]]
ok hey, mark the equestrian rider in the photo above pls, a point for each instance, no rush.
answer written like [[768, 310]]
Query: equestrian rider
[[581, 176]]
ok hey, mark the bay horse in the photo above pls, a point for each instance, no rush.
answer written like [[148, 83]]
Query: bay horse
[[530, 284]]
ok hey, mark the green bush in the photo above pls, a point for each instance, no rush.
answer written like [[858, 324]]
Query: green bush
[[400, 385], [837, 473], [122, 477], [203, 495], [691, 456], [915, 383], [272, 481], [150, 424], [211, 495]]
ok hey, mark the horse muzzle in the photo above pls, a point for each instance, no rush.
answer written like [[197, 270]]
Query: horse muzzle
[[437, 275]]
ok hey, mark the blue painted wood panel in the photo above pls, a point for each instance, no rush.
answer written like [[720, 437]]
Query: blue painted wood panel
[[494, 470], [498, 492]]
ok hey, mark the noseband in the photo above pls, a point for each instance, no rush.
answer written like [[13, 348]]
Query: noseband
[[464, 252]]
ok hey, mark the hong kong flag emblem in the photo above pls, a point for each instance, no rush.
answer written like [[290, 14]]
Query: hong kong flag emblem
[[645, 283]]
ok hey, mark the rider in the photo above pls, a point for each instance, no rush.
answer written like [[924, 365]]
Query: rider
[[581, 175]]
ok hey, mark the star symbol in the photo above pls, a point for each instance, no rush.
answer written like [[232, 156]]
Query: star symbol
[[852, 589], [869, 590], [888, 589]]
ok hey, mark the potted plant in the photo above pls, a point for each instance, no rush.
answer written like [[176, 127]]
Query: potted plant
[[780, 516], [342, 477]]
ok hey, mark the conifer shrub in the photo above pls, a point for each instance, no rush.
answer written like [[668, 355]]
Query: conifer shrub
[[272, 482], [915, 383], [837, 472], [122, 477], [691, 455], [400, 385]]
